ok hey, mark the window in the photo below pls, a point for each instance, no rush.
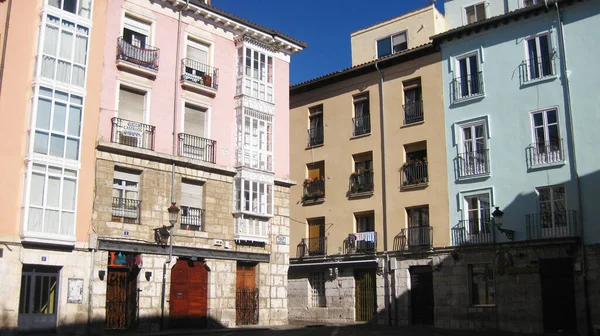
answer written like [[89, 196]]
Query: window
[[531, 2], [58, 124], [365, 222], [553, 209], [254, 139], [475, 13], [477, 217], [365, 236], [482, 284], [197, 51], [194, 120], [52, 199], [547, 144], [196, 65], [539, 57], [315, 120], [316, 236], [136, 32], [82, 8], [258, 73], [391, 44], [419, 233], [191, 206], [64, 51], [469, 81], [253, 197], [362, 116], [413, 103], [126, 204], [314, 185], [361, 180], [415, 169], [251, 228], [474, 157], [132, 104], [317, 285]]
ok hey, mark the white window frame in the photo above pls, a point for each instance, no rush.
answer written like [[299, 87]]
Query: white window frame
[[47, 4], [260, 202], [135, 87], [127, 177], [250, 85], [201, 105], [555, 228], [458, 74], [536, 37], [481, 231], [317, 286], [474, 5], [151, 22], [199, 43], [251, 143], [549, 154], [473, 170], [391, 39]]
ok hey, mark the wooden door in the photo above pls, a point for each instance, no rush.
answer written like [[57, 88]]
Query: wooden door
[[316, 236], [246, 301], [365, 295], [558, 295], [121, 298], [421, 295], [188, 300]]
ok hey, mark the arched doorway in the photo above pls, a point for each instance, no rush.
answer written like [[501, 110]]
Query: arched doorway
[[188, 300]]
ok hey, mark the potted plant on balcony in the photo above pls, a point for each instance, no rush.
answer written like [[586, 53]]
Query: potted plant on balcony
[[411, 176], [207, 80], [313, 193], [360, 180]]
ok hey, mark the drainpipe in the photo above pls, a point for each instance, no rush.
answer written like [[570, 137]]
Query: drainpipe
[[4, 44], [574, 170], [175, 96], [383, 192]]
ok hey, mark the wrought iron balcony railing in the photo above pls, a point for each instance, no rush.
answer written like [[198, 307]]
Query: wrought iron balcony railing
[[542, 153], [126, 210], [195, 147], [473, 232], [146, 57], [361, 181], [552, 224], [362, 125], [191, 218], [536, 68], [199, 73], [314, 189], [361, 242], [413, 112], [132, 133], [468, 86], [473, 163], [315, 136], [315, 246], [414, 173], [414, 238]]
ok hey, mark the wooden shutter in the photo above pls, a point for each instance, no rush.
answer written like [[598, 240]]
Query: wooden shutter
[[131, 104]]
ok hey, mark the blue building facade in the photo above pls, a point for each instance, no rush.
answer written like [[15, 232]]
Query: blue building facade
[[519, 91]]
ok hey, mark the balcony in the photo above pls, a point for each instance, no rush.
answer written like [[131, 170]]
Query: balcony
[[132, 133], [314, 190], [135, 58], [545, 153], [251, 229], [413, 113], [473, 164], [198, 148], [126, 210], [552, 224], [315, 136], [361, 242], [199, 76], [192, 219], [361, 183], [537, 68], [414, 238], [468, 86], [473, 232], [414, 174], [310, 247], [362, 125]]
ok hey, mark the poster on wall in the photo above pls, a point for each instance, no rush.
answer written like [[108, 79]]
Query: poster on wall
[[75, 294]]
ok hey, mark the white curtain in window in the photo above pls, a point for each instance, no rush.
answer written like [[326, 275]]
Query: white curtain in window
[[67, 224], [50, 49], [398, 39], [54, 3], [53, 192], [36, 194], [63, 73], [80, 49], [68, 195], [66, 45], [51, 221], [34, 222], [85, 8]]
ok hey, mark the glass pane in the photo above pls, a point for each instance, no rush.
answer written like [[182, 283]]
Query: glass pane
[[74, 121], [38, 167], [51, 221], [131, 194], [51, 40], [479, 131], [384, 47], [45, 92], [78, 76], [63, 73], [55, 171], [34, 222], [67, 224], [66, 45], [68, 195], [551, 116], [62, 95], [53, 193], [60, 115], [40, 143], [57, 145], [85, 8], [76, 100], [543, 195], [71, 173], [538, 119], [54, 3], [43, 114], [480, 11], [36, 190], [72, 149], [470, 11]]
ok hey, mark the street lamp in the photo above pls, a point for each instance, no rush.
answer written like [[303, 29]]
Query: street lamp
[[162, 234], [173, 214], [498, 214]]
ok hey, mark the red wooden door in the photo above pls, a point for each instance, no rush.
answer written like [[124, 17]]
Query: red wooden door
[[246, 305], [189, 291], [121, 298]]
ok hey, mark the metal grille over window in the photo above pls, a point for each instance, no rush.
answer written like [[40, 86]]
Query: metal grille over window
[[317, 284]]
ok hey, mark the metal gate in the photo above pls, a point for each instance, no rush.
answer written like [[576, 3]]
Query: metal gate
[[366, 304], [246, 305], [121, 298], [39, 298]]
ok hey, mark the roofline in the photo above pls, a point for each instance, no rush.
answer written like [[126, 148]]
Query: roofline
[[412, 12], [496, 20], [209, 11], [364, 68]]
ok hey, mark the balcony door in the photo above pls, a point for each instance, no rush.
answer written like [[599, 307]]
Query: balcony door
[[196, 64], [469, 76], [418, 226], [474, 148], [136, 32], [546, 137], [553, 211], [316, 236], [477, 218]]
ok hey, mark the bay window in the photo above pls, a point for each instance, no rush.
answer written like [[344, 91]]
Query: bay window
[[82, 8], [255, 139], [253, 197], [255, 70]]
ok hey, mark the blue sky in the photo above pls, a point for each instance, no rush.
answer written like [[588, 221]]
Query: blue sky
[[325, 25]]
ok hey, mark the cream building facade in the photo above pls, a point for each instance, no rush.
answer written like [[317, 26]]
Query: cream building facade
[[371, 216]]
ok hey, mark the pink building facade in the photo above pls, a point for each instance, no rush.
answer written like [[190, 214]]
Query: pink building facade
[[193, 116]]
